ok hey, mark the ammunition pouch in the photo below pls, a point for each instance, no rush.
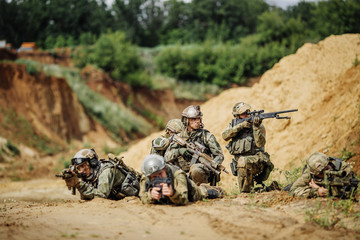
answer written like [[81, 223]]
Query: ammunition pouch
[[130, 186]]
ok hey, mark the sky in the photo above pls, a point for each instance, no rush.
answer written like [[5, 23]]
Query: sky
[[280, 3]]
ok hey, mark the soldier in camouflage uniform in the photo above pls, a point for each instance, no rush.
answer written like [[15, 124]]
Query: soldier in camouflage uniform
[[160, 144], [173, 185], [312, 182], [102, 178], [251, 162], [194, 132]]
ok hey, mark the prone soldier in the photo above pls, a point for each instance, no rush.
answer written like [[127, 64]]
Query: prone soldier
[[167, 184], [92, 177], [325, 176]]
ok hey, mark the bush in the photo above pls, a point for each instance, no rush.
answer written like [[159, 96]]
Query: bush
[[112, 53], [32, 67]]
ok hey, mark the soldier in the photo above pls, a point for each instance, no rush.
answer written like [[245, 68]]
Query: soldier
[[160, 144], [251, 162], [167, 184], [325, 176], [110, 179], [194, 132]]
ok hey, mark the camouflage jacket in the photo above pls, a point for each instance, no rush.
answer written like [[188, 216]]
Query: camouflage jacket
[[301, 187], [246, 141], [201, 136], [185, 190], [106, 184]]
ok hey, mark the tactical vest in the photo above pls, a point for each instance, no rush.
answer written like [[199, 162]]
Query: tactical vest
[[243, 143]]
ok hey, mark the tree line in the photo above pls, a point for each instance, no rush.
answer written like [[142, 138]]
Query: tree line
[[157, 22], [218, 42]]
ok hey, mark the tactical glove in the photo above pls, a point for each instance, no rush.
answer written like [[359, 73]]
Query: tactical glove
[[185, 153], [257, 121], [72, 182], [244, 124]]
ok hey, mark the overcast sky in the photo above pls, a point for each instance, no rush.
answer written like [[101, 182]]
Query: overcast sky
[[280, 3]]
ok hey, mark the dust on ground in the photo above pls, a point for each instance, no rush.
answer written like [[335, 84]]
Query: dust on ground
[[44, 209]]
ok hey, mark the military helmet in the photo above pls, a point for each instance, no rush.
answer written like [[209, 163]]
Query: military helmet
[[84, 155], [317, 162], [174, 125], [160, 143], [152, 164], [240, 108], [192, 112]]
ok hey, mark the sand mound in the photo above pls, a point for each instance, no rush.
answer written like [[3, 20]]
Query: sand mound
[[320, 80]]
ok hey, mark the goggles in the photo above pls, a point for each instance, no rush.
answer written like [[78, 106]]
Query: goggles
[[78, 161]]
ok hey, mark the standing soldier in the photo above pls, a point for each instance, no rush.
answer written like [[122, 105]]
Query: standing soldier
[[250, 161], [160, 144], [194, 133], [92, 177], [167, 184]]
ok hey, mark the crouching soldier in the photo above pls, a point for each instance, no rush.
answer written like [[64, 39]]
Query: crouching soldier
[[167, 184], [160, 144], [325, 176], [92, 177]]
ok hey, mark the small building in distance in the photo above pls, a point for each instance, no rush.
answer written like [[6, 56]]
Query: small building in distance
[[27, 47]]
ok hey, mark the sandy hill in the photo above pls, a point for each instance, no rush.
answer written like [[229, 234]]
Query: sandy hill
[[320, 80]]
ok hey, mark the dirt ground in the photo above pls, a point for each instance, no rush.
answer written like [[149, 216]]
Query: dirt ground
[[45, 209]]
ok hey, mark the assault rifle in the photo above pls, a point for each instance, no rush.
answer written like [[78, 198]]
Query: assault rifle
[[198, 154], [67, 174], [345, 183], [262, 116], [156, 182]]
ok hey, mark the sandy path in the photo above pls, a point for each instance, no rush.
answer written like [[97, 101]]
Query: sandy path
[[44, 209]]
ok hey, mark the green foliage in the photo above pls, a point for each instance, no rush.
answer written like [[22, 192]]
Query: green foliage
[[220, 64], [118, 120], [345, 154], [60, 42], [115, 55], [13, 149], [32, 67], [326, 218], [106, 149]]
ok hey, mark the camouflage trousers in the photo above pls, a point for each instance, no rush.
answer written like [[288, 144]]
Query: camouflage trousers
[[252, 168], [199, 173]]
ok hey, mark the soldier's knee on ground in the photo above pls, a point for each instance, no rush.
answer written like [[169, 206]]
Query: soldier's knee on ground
[[245, 180], [199, 174]]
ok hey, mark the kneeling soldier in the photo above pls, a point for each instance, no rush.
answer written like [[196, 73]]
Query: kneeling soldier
[[167, 184]]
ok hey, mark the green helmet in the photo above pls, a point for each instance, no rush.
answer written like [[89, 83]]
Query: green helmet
[[240, 108], [317, 162], [174, 125], [152, 164], [160, 143]]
